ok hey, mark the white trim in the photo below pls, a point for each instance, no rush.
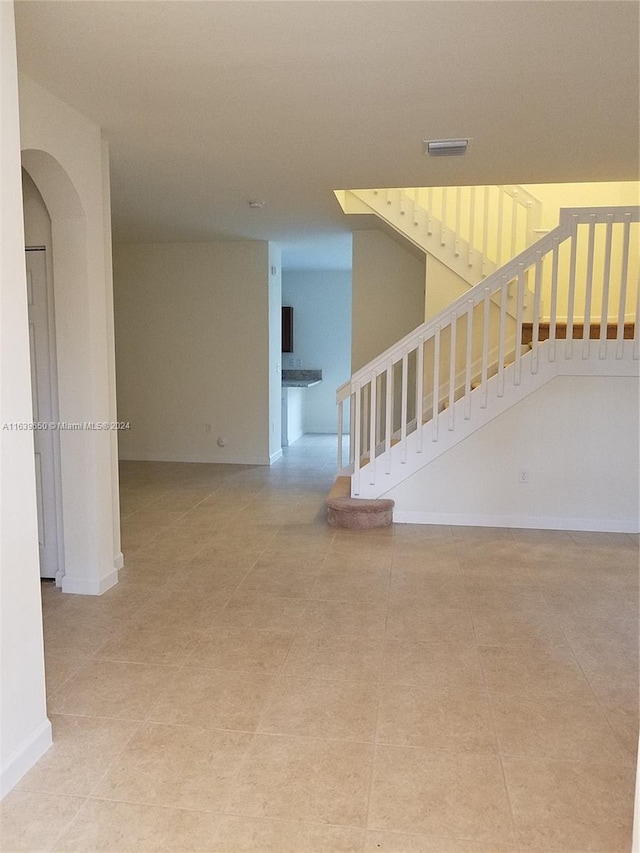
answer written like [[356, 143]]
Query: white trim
[[162, 456], [597, 525], [23, 758], [90, 586], [118, 561], [275, 456]]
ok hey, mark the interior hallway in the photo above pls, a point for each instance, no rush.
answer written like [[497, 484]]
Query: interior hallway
[[260, 682]]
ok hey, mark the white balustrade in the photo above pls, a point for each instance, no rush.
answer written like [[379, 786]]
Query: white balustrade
[[382, 422]]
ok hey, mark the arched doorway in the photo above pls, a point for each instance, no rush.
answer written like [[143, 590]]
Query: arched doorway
[[83, 335], [44, 382]]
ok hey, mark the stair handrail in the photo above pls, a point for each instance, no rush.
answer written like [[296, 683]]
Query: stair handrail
[[509, 271]]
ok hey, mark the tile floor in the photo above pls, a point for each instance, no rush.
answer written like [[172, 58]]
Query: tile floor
[[260, 682]]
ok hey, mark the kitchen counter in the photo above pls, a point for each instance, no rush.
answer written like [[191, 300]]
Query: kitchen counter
[[301, 378]]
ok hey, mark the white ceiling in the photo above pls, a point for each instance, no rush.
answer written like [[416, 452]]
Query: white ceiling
[[209, 104]]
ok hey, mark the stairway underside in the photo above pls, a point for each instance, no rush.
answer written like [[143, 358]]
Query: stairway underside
[[471, 412]]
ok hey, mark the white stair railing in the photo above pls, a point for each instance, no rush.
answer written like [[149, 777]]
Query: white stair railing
[[436, 378], [494, 223], [473, 230]]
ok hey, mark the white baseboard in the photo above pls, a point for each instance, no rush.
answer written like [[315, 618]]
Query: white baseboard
[[90, 586], [135, 456], [275, 456], [596, 525], [118, 561], [23, 759]]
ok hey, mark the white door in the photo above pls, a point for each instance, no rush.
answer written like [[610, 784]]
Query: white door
[[43, 388]]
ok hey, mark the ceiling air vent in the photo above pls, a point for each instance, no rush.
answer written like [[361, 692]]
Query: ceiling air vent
[[446, 147]]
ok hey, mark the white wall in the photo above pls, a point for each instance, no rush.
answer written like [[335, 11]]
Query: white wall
[[67, 159], [321, 302], [594, 194], [577, 437], [25, 732], [192, 348], [388, 285]]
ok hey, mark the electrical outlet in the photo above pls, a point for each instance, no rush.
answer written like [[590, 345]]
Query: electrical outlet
[[207, 427], [523, 475]]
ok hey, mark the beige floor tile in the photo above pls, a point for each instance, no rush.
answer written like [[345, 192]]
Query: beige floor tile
[[152, 641], [344, 619], [439, 665], [304, 779], [396, 842], [112, 689], [176, 766], [560, 805], [355, 556], [155, 517], [375, 543], [120, 602], [435, 719], [545, 727], [415, 587], [591, 602], [471, 534], [260, 835], [349, 583], [241, 650], [189, 610], [286, 581], [83, 748], [208, 580], [609, 655], [534, 537], [180, 548], [588, 572], [208, 520], [513, 670], [588, 539], [487, 595], [262, 612], [419, 622], [472, 553], [301, 560], [622, 710], [417, 791], [51, 595], [532, 628], [81, 636], [546, 608], [32, 823], [113, 827], [345, 710], [216, 557], [328, 656], [212, 699], [58, 669], [423, 539], [151, 578], [437, 559]]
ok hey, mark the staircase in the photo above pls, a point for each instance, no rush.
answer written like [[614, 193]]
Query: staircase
[[471, 230], [468, 365]]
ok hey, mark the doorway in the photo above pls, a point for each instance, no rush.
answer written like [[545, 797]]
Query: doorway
[[43, 389]]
